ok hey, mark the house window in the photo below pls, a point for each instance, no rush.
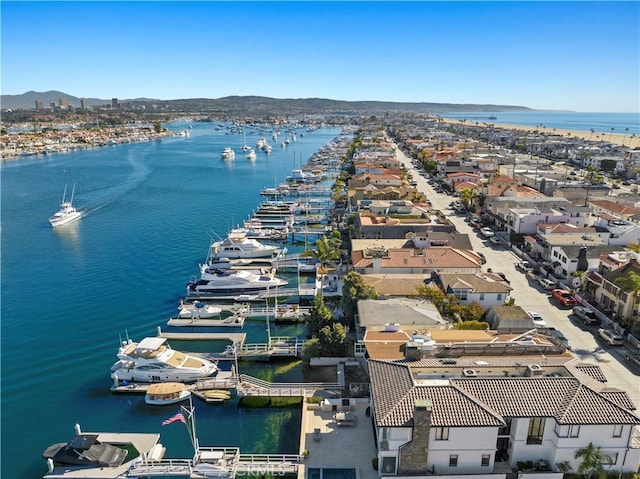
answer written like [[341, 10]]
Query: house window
[[486, 458], [617, 430], [574, 430], [536, 430], [461, 294], [388, 465], [499, 297], [453, 460], [481, 297], [442, 433]]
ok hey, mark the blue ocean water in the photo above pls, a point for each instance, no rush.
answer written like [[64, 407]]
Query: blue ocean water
[[67, 294], [622, 123]]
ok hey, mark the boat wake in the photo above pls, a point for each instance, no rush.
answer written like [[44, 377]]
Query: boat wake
[[94, 201]]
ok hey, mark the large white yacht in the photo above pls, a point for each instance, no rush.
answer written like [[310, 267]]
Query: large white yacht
[[238, 245], [152, 360], [67, 212], [229, 282]]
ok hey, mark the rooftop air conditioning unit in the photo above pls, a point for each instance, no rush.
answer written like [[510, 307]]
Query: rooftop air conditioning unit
[[533, 370], [469, 373]]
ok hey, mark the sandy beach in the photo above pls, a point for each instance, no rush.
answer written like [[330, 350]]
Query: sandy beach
[[617, 138]]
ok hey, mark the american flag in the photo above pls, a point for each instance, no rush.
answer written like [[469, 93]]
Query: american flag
[[174, 418]]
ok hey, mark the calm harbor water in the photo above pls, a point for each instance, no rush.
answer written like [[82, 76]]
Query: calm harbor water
[[622, 123], [68, 294]]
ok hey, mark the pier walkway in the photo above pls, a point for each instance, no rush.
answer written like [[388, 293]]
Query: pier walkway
[[251, 386], [218, 462]]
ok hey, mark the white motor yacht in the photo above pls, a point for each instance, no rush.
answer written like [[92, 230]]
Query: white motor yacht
[[251, 155], [229, 282], [237, 245], [67, 212], [228, 154], [152, 361]]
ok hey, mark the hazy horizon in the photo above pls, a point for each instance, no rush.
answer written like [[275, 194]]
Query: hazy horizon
[[560, 56]]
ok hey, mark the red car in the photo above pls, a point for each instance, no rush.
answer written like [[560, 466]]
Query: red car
[[564, 297]]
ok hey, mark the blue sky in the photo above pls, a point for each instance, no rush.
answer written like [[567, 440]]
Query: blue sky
[[582, 56]]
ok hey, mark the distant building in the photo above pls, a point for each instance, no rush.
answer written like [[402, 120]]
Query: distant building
[[52, 104], [39, 105], [115, 103], [84, 104], [64, 104]]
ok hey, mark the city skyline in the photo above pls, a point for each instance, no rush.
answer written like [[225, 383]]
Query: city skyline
[[580, 56]]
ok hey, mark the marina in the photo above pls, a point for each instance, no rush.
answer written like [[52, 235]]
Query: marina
[[104, 250]]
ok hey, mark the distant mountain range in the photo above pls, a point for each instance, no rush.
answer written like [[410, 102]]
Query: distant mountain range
[[255, 104]]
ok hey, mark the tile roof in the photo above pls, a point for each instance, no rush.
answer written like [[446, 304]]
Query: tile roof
[[593, 371], [395, 398], [487, 401], [565, 399]]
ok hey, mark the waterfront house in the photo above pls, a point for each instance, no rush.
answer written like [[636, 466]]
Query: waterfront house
[[486, 416]]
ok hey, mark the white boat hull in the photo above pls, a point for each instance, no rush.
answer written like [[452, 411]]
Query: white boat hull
[[64, 220], [146, 376]]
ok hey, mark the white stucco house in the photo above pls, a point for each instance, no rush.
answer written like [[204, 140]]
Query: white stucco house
[[440, 417]]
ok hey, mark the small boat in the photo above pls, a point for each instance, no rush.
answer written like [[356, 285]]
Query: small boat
[[166, 393], [228, 154], [67, 213], [101, 454], [217, 394], [199, 310], [251, 156]]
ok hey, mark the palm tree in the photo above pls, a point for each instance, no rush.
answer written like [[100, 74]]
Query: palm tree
[[466, 196], [591, 177], [630, 283], [593, 461]]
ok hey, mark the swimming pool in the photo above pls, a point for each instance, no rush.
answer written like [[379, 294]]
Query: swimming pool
[[331, 473]]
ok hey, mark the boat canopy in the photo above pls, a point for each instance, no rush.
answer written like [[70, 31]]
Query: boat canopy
[[151, 343], [165, 388]]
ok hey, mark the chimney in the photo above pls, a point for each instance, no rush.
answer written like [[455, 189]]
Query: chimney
[[583, 263], [413, 455], [413, 351]]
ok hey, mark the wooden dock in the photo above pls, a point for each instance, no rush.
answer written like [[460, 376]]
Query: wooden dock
[[229, 322], [223, 380], [235, 338]]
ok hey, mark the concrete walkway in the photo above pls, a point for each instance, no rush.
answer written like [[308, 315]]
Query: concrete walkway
[[338, 447]]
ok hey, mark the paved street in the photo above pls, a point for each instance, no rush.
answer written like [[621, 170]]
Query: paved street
[[619, 372]]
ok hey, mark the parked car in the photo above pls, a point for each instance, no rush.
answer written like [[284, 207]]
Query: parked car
[[560, 337], [503, 276], [546, 283], [494, 240], [524, 266], [633, 358], [486, 231], [611, 337], [588, 316], [537, 319], [564, 297]]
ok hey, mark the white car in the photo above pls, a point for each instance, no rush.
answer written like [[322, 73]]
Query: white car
[[494, 239], [488, 232], [537, 319]]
